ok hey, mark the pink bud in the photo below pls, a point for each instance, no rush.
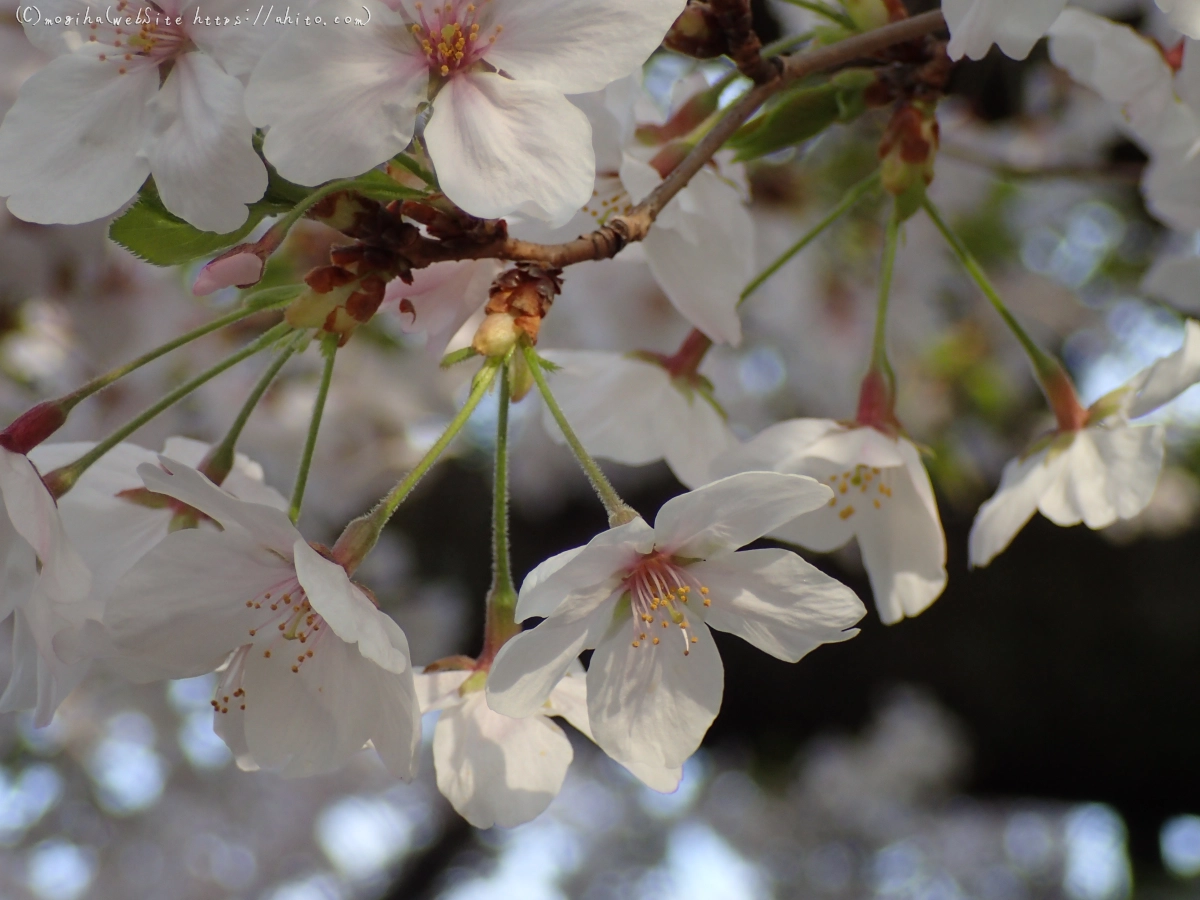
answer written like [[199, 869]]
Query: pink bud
[[241, 267], [34, 426]]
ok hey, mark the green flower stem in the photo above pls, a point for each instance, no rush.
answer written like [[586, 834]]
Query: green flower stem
[[848, 202], [62, 480], [1042, 361], [218, 463], [879, 357], [501, 621], [1051, 375], [101, 382], [329, 351], [619, 512], [361, 535]]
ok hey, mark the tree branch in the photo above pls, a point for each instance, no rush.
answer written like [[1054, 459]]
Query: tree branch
[[621, 231]]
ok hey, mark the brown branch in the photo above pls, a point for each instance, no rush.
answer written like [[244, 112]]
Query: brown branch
[[744, 46], [621, 231]]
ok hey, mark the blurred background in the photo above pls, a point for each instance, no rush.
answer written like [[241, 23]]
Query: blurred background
[[1033, 735]]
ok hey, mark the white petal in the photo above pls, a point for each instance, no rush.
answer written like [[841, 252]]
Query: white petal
[[202, 152], [495, 770], [265, 524], [1014, 25], [1184, 15], [1080, 494], [236, 49], [773, 449], [346, 610], [441, 298], [182, 608], [577, 580], [1133, 458], [64, 577], [569, 699], [652, 705], [734, 511], [777, 602], [501, 146], [1166, 379], [704, 268], [1016, 500], [338, 101], [612, 402], [693, 433], [1119, 64], [439, 690], [69, 145], [311, 721], [1173, 279], [530, 665], [578, 45]]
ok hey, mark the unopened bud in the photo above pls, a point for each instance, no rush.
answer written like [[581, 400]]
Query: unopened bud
[[34, 426], [520, 378], [697, 33], [241, 266], [908, 154], [867, 15], [496, 335]]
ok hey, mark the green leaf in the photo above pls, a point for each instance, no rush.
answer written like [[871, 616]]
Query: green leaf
[[801, 114], [380, 186], [151, 233]]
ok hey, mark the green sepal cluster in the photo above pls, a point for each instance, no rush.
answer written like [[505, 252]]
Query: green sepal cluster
[[803, 113]]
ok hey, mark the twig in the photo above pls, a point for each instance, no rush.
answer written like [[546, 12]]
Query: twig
[[621, 231]]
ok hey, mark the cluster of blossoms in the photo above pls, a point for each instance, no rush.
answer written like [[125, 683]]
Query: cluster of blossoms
[[441, 138]]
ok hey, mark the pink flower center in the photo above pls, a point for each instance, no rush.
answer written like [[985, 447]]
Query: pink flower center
[[152, 38], [659, 591], [450, 34], [860, 488]]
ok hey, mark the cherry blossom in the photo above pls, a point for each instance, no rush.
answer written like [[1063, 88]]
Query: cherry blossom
[[441, 299], [1159, 108], [44, 590], [1184, 15], [1102, 472], [630, 409], [701, 250], [502, 136], [122, 102], [497, 770], [1013, 25], [881, 496], [645, 599], [316, 669]]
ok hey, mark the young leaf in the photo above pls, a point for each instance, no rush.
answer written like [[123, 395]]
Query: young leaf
[[151, 233]]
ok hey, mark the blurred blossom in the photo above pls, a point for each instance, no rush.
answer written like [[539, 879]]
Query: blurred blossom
[[1097, 865], [25, 797], [58, 870], [1180, 845], [128, 773], [363, 837]]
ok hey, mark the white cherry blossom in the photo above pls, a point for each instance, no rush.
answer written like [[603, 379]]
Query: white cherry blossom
[[502, 136], [1157, 107], [701, 248], [1184, 15], [1013, 25], [316, 669], [1098, 474], [631, 410], [881, 496], [496, 770], [645, 599], [122, 102], [44, 586]]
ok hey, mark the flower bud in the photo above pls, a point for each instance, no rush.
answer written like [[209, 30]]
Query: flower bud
[[697, 33], [497, 335], [240, 267], [34, 426], [908, 153]]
